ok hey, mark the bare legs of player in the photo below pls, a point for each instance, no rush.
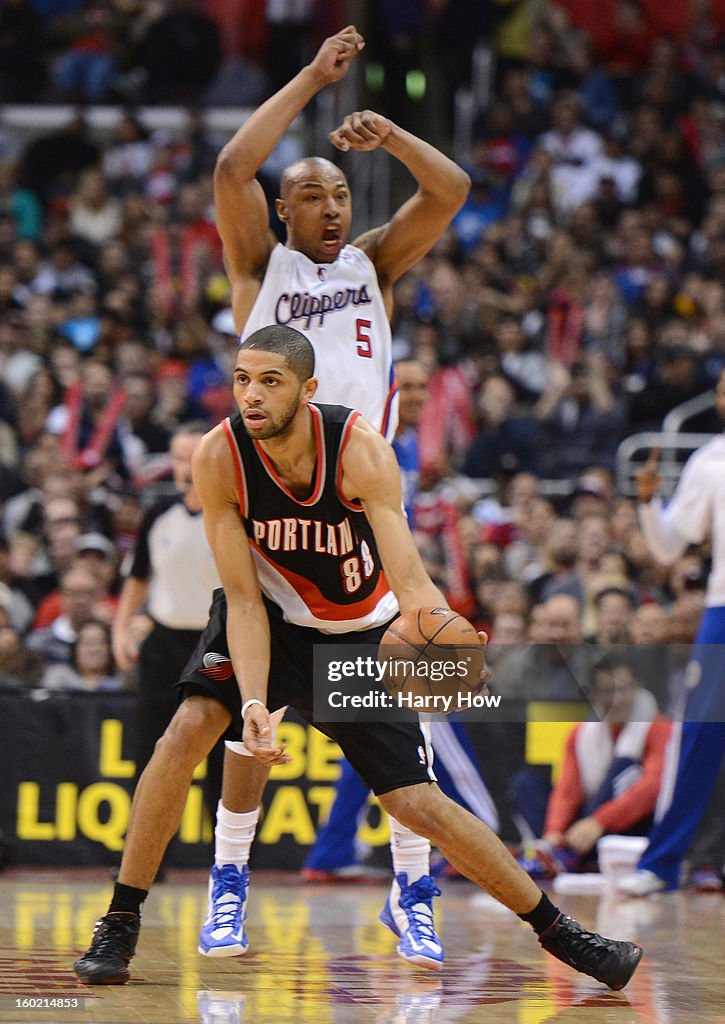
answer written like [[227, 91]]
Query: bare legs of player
[[161, 793], [243, 782], [469, 845]]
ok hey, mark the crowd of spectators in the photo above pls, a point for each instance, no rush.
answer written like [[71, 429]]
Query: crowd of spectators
[[578, 297], [156, 51]]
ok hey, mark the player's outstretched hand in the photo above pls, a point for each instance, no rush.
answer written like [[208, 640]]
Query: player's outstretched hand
[[333, 59], [256, 737], [364, 130], [648, 478]]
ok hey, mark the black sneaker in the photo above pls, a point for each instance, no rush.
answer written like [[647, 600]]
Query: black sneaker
[[607, 960], [114, 943]]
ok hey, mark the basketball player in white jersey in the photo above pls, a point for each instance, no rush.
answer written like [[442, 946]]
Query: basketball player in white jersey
[[341, 297]]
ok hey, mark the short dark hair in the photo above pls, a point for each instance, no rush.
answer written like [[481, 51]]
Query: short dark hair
[[613, 660], [288, 343], [620, 591]]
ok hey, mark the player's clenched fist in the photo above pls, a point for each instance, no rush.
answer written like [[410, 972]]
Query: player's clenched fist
[[337, 53], [363, 130]]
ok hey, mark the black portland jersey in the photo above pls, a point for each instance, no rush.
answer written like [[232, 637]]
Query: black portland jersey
[[316, 558]]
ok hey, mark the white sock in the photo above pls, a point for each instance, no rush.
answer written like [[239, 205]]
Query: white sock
[[233, 836], [411, 852]]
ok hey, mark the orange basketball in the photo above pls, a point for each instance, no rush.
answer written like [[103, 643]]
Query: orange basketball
[[435, 657]]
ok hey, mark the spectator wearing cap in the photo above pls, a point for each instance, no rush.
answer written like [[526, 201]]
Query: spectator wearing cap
[[79, 593], [224, 340], [97, 554], [592, 494]]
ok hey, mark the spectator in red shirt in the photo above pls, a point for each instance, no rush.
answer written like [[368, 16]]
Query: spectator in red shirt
[[612, 769]]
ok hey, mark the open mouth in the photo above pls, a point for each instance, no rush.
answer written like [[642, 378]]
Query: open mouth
[[255, 418], [331, 236]]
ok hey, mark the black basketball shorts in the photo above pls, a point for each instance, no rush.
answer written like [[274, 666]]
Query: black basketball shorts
[[386, 755]]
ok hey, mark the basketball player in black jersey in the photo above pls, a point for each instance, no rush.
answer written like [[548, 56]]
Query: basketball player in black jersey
[[325, 460], [339, 293]]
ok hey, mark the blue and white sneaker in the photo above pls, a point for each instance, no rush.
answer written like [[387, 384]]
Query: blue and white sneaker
[[223, 931], [408, 913]]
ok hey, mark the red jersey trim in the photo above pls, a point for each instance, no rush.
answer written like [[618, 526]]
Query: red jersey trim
[[321, 463], [388, 403], [353, 506], [315, 601], [238, 467]]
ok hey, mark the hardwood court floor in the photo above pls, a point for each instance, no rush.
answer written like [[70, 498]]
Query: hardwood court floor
[[318, 955]]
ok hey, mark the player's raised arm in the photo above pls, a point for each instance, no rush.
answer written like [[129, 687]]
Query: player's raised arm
[[419, 223], [370, 474], [247, 621], [241, 209]]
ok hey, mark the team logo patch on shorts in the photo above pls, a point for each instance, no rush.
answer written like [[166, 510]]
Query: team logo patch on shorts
[[216, 666]]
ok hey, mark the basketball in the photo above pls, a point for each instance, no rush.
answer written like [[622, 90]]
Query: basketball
[[433, 660]]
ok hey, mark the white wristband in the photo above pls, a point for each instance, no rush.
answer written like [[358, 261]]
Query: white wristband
[[248, 703]]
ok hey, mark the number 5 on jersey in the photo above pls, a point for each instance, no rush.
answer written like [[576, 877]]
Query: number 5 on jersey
[[364, 344]]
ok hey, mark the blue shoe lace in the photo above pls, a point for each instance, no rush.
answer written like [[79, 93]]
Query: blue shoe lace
[[228, 880], [421, 891]]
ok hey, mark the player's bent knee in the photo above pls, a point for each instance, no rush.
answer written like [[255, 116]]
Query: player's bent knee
[[423, 809], [411, 806], [196, 726]]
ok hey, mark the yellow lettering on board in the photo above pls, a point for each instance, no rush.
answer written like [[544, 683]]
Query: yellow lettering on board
[[323, 757], [28, 826], [65, 810], [111, 832], [111, 764], [294, 736], [288, 814]]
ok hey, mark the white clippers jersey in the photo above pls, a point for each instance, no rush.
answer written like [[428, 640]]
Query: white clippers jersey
[[339, 308], [698, 508]]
